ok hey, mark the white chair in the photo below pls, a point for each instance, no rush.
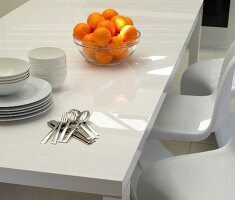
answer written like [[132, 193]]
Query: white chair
[[201, 176], [194, 118], [202, 77]]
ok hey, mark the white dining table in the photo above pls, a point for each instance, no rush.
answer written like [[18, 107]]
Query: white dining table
[[124, 100]]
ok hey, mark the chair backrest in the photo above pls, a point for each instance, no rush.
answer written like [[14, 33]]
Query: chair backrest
[[222, 94]]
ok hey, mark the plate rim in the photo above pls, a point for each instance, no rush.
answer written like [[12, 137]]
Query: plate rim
[[28, 112], [43, 91], [27, 116], [27, 109]]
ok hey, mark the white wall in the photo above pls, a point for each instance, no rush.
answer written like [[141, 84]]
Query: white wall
[[9, 5], [220, 37]]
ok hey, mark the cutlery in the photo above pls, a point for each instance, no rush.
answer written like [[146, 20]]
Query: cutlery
[[78, 134], [63, 119], [82, 117], [83, 127], [71, 117], [92, 129], [86, 126], [78, 131], [48, 136]]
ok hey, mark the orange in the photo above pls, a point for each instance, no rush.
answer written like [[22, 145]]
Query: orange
[[109, 25], [80, 30], [87, 39], [103, 56], [119, 22], [94, 19], [109, 13], [124, 54], [128, 33], [91, 15], [102, 36], [116, 45], [89, 46], [129, 21]]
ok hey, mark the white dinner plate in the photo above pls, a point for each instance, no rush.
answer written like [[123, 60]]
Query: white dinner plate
[[28, 112], [34, 90], [27, 116], [27, 109]]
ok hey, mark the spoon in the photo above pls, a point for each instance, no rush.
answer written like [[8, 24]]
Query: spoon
[[77, 135], [86, 127], [82, 117]]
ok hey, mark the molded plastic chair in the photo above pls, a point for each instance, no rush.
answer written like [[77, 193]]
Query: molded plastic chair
[[194, 118], [205, 176], [202, 77]]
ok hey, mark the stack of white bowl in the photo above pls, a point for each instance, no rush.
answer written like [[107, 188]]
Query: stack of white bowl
[[48, 63], [14, 73]]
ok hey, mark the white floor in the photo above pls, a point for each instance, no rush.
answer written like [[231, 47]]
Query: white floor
[[16, 192]]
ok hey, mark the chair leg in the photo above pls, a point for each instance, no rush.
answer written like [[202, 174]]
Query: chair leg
[[224, 133], [153, 151]]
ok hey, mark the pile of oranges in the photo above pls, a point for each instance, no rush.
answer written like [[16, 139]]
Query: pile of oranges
[[106, 36]]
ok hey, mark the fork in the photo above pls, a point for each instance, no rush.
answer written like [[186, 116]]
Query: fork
[[63, 119], [82, 117], [71, 117], [48, 136]]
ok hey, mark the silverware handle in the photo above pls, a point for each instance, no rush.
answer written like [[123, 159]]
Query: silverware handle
[[61, 138], [82, 139], [92, 129], [70, 134], [48, 136], [87, 130], [55, 138]]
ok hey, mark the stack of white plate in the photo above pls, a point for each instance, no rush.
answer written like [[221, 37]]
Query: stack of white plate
[[14, 73], [33, 99], [48, 63]]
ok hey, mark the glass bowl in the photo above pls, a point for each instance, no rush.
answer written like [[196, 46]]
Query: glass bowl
[[109, 55]]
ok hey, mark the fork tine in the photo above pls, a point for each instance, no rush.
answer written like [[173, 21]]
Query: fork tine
[[64, 117], [70, 117]]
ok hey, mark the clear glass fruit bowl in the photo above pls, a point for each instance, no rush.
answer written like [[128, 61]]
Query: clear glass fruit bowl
[[108, 55]]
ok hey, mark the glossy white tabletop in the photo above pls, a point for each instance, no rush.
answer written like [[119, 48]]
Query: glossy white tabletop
[[123, 99]]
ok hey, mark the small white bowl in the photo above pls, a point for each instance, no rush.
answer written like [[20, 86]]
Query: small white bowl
[[10, 88], [51, 72], [14, 80], [12, 68], [55, 81], [46, 55], [46, 66]]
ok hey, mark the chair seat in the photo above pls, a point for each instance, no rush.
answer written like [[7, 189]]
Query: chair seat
[[204, 176], [201, 78], [183, 117]]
